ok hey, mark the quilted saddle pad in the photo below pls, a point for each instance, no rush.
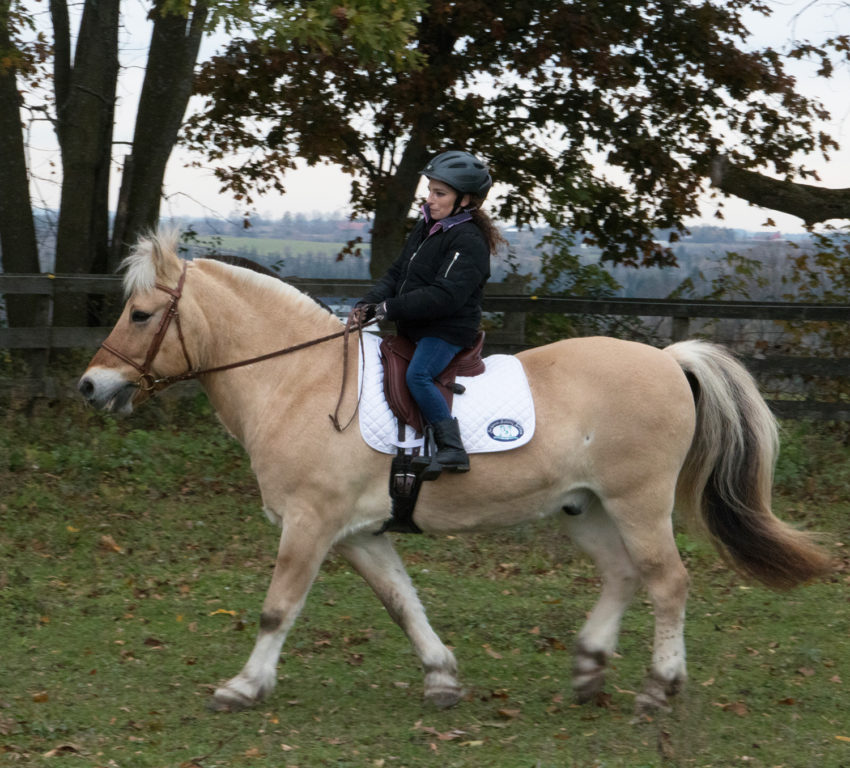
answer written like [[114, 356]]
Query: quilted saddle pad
[[496, 412]]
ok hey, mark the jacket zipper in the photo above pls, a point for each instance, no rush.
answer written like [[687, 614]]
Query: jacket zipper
[[407, 270], [457, 253]]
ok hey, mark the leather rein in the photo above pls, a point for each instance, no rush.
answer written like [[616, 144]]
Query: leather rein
[[148, 383]]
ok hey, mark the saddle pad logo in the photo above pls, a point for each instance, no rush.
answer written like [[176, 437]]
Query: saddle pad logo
[[505, 430]]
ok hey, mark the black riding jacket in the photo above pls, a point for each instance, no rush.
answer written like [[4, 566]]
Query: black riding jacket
[[435, 286]]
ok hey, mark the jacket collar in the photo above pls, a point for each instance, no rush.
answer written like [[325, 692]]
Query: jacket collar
[[444, 224]]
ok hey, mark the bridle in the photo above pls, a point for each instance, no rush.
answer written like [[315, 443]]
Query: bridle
[[147, 382]]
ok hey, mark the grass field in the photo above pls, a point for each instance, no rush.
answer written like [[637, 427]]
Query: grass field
[[134, 560], [267, 246]]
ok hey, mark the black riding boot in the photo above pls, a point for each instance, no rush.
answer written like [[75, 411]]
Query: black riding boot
[[450, 454]]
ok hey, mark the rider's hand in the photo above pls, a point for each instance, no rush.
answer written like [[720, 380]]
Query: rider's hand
[[364, 312]]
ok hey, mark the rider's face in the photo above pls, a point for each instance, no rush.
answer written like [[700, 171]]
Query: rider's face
[[441, 199]]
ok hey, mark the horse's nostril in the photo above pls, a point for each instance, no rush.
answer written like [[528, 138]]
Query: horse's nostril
[[86, 388]]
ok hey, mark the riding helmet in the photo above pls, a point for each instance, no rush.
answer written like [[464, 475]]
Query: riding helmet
[[462, 171]]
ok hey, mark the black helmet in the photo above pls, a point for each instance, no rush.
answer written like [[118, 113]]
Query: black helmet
[[462, 171]]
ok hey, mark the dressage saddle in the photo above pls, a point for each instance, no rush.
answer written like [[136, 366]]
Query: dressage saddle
[[396, 353]]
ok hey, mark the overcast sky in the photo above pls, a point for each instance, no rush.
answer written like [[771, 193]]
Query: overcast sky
[[324, 189]]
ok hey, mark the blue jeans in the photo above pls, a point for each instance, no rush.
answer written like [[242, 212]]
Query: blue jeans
[[430, 359]]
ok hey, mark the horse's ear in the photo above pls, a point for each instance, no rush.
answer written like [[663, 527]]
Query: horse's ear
[[163, 253]]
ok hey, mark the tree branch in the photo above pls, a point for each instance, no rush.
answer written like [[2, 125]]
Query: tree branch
[[812, 204]]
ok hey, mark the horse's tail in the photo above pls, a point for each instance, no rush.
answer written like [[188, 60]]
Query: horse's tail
[[728, 473]]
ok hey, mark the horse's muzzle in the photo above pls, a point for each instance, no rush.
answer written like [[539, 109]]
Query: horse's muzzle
[[107, 391]]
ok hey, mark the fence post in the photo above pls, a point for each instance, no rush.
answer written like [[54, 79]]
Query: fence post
[[681, 328], [513, 323]]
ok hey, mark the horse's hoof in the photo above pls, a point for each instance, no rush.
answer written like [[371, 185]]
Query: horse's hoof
[[226, 700], [653, 697], [444, 698], [588, 674]]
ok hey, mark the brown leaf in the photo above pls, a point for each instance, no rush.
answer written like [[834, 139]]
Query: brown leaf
[[737, 707], [806, 671], [491, 652], [109, 544], [509, 714], [41, 697]]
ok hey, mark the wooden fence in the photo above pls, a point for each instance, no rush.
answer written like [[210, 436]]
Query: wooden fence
[[502, 298]]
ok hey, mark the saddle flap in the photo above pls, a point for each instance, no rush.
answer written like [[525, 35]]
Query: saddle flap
[[396, 354]]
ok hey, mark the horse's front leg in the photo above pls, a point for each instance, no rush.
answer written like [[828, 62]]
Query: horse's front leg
[[303, 547], [376, 560]]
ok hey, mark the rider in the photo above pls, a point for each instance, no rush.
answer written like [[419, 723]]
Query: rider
[[433, 290]]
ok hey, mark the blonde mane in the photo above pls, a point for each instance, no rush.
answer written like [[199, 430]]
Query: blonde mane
[[153, 259]]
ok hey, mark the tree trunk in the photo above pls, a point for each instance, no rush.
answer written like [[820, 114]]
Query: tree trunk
[[394, 200], [85, 115], [18, 244], [812, 204], [162, 104]]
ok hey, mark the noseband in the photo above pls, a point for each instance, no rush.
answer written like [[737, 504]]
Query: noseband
[[146, 381]]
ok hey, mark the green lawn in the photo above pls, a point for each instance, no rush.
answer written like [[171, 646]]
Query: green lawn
[[133, 563]]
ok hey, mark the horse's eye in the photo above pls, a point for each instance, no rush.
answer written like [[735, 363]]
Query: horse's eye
[[139, 317]]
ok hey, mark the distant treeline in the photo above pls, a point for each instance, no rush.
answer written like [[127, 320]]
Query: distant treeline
[[310, 246]]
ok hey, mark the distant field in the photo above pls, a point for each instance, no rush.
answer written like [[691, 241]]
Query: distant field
[[275, 247]]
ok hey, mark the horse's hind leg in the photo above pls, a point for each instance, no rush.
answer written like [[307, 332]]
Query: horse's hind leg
[[595, 533], [645, 523], [376, 560]]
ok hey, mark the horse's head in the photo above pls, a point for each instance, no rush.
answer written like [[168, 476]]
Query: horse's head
[[146, 343]]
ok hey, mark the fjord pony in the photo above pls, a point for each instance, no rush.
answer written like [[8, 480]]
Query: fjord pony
[[624, 432]]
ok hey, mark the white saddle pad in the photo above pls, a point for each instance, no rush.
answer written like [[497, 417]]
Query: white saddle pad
[[496, 413]]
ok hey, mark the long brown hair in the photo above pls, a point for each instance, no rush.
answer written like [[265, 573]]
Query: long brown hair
[[491, 232]]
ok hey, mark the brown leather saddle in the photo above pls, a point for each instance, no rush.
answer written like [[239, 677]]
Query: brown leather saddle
[[396, 353]]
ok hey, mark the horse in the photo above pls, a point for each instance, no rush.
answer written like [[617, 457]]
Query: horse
[[625, 432]]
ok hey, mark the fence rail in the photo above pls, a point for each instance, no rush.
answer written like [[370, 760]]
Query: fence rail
[[499, 297]]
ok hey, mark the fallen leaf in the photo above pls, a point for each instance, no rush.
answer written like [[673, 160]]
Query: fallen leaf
[[288, 747], [491, 652], [806, 671], [253, 752], [843, 738], [708, 682], [737, 707], [472, 743], [109, 544], [219, 611], [41, 697], [509, 714]]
